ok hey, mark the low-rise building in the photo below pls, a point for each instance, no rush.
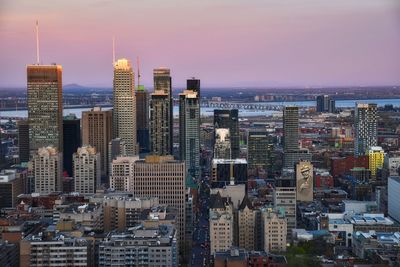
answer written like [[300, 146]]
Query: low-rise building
[[53, 249], [154, 247], [381, 248]]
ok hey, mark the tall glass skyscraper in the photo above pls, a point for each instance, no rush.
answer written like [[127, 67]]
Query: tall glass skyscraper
[[291, 128], [189, 131]]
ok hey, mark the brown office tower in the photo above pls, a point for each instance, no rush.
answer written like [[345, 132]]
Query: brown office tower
[[97, 132], [45, 109]]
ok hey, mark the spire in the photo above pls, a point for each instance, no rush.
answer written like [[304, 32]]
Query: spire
[[37, 43], [138, 71]]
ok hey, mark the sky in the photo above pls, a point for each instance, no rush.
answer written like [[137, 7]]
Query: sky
[[225, 43]]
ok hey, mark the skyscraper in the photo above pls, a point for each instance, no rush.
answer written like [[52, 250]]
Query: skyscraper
[[224, 118], [161, 114], [97, 132], [87, 171], [189, 131], [325, 104], [72, 140], [124, 105], [259, 150], [291, 128], [142, 118], [160, 130], [366, 128], [47, 170], [45, 109], [163, 82]]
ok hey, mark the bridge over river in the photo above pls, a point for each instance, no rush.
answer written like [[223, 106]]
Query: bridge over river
[[205, 104]]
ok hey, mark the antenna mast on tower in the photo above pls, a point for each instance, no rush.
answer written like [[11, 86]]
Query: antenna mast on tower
[[138, 71], [37, 43]]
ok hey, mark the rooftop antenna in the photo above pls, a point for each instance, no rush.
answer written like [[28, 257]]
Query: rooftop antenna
[[113, 50], [37, 43], [138, 71]]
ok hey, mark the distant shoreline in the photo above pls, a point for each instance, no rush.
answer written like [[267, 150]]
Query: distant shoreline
[[371, 100]]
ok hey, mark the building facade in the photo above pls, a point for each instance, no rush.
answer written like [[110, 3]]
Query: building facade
[[160, 128], [23, 140], [47, 170], [189, 131], [285, 199], [72, 140], [59, 250], [376, 158], [45, 107], [259, 150], [156, 176], [393, 197], [221, 224], [153, 247], [222, 144], [87, 170], [142, 118], [229, 119], [11, 186], [161, 113], [291, 128], [366, 128], [97, 132], [274, 229], [124, 105], [225, 171]]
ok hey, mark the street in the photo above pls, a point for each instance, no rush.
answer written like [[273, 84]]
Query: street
[[201, 239]]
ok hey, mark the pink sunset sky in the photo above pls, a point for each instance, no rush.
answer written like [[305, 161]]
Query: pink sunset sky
[[223, 42]]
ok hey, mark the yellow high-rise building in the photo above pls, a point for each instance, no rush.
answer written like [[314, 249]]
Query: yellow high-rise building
[[376, 157]]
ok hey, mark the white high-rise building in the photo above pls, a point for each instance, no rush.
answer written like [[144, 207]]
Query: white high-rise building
[[124, 106], [87, 171], [47, 170]]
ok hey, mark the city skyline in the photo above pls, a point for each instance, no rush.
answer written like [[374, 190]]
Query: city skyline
[[265, 43]]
